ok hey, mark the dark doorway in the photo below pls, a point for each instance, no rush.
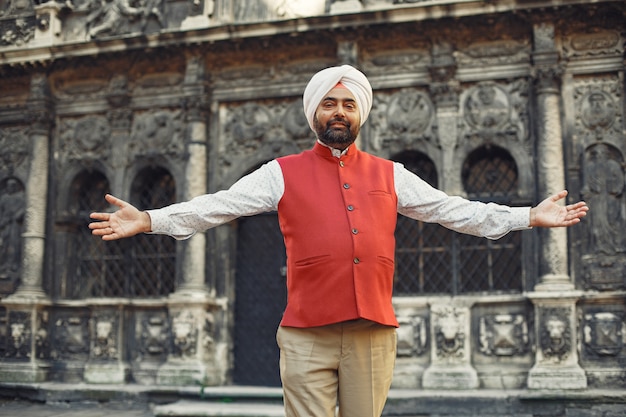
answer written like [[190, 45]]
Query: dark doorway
[[261, 295]]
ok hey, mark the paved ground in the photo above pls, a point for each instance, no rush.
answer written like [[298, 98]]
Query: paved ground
[[17, 408]]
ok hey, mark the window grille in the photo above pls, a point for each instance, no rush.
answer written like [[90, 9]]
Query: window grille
[[141, 266], [153, 258], [431, 259]]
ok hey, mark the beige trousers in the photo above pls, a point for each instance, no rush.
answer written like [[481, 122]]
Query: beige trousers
[[347, 364]]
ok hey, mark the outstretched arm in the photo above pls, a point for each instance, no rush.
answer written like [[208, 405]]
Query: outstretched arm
[[550, 214], [125, 222]]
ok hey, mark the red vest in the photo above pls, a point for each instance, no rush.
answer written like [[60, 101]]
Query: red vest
[[338, 218]]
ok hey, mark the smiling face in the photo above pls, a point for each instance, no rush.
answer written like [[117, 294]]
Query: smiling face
[[337, 119]]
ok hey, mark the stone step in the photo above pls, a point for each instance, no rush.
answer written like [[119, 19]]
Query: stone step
[[194, 408]]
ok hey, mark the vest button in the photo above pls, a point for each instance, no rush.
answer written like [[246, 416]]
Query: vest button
[[357, 260], [350, 207], [355, 231], [341, 164], [346, 186]]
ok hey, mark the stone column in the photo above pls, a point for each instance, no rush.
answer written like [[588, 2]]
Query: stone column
[[27, 340], [41, 117], [553, 262], [556, 363], [445, 92], [194, 249], [198, 354]]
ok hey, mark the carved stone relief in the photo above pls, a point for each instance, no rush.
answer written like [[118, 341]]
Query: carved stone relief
[[252, 126], [157, 132], [402, 120], [503, 335], [104, 337], [12, 210], [496, 113], [593, 42], [15, 148], [19, 335], [86, 138], [598, 111], [185, 335], [412, 336], [153, 331], [70, 337], [604, 334], [450, 335], [555, 334], [599, 134]]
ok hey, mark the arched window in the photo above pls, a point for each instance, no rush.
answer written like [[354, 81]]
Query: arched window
[[490, 174], [423, 250], [97, 266], [141, 266], [431, 259], [153, 258]]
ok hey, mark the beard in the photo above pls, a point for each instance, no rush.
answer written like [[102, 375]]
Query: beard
[[339, 138]]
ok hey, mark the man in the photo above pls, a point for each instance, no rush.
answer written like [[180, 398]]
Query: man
[[337, 208]]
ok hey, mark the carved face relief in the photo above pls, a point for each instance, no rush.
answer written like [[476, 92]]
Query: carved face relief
[[17, 334], [103, 330]]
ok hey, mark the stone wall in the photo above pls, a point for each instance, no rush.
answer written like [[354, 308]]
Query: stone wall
[[209, 90]]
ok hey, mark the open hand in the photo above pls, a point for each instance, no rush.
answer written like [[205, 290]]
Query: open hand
[[125, 222], [550, 214]]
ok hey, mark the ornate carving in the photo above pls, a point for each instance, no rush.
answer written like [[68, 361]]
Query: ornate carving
[[12, 209], [603, 333], [401, 120], [503, 335], [153, 337], [555, 334], [496, 113], [157, 133], [110, 17], [185, 333], [449, 334], [86, 138], [494, 52], [412, 336], [604, 265], [598, 110], [20, 335], [17, 32], [593, 41], [104, 337], [71, 338]]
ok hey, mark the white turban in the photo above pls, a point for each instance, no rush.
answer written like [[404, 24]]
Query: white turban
[[325, 80]]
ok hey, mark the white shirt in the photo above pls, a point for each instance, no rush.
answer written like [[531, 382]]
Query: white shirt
[[262, 190]]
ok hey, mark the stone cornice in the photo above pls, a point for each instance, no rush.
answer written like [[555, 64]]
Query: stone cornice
[[26, 55]]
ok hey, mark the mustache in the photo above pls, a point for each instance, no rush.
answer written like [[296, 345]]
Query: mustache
[[337, 120]]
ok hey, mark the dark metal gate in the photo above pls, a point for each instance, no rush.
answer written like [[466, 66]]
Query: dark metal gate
[[261, 295]]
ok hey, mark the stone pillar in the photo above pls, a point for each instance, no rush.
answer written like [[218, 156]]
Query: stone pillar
[[26, 359], [194, 256], [198, 355], [451, 349], [556, 364], [40, 113], [553, 262], [445, 92]]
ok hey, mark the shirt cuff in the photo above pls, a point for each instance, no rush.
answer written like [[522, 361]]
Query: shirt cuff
[[520, 218]]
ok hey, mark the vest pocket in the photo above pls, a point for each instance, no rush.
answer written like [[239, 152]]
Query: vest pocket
[[312, 260]]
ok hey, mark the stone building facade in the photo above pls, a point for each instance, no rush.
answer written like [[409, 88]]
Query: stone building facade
[[157, 101]]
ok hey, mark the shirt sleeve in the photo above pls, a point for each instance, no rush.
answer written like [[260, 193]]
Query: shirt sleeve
[[257, 192], [420, 201]]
